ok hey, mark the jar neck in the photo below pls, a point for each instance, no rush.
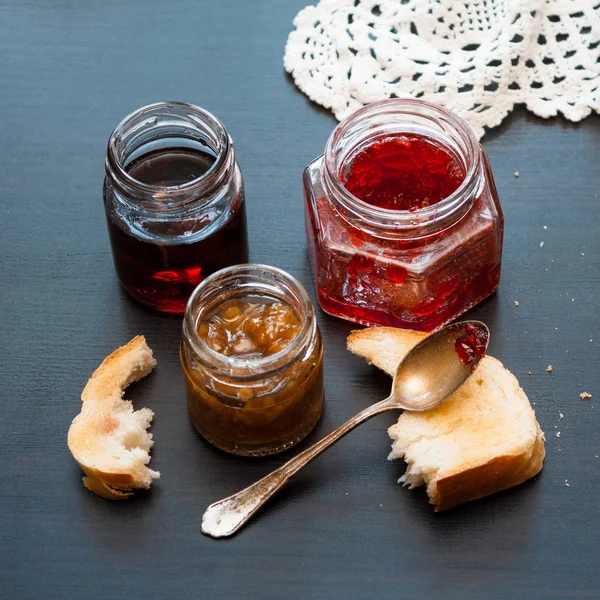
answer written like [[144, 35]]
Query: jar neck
[[391, 118], [249, 280], [158, 127]]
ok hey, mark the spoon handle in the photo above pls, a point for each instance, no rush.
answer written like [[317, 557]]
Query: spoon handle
[[225, 517]]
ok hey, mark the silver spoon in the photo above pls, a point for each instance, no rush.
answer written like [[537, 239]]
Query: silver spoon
[[429, 374]]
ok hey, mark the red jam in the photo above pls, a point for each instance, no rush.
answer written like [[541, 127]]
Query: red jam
[[406, 172], [471, 345], [405, 266]]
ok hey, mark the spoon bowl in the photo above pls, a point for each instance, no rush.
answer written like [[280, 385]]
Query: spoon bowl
[[439, 365], [427, 376]]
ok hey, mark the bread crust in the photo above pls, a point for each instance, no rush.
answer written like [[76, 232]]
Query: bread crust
[[98, 485], [498, 474], [114, 375], [385, 347], [101, 397]]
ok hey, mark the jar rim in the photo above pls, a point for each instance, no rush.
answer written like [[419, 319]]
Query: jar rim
[[249, 367], [146, 117], [404, 219]]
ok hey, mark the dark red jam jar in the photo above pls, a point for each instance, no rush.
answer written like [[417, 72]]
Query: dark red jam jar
[[403, 221], [174, 201]]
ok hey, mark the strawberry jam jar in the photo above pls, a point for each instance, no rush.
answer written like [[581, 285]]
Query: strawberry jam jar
[[403, 221], [174, 201]]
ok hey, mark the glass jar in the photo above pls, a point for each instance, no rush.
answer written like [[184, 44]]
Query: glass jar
[[418, 268], [253, 406], [174, 201]]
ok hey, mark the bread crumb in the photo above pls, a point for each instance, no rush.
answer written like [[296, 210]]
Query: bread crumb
[[585, 395], [541, 244], [516, 303], [567, 483], [549, 368], [517, 174]]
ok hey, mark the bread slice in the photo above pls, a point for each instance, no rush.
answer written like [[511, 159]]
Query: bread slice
[[108, 438], [484, 439]]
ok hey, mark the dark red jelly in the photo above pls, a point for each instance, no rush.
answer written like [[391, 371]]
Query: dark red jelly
[[406, 172], [161, 268]]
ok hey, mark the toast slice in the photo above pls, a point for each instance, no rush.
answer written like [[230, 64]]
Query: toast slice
[[484, 439], [108, 439]]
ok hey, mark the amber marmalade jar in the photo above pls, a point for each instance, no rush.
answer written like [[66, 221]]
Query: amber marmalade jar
[[174, 202], [416, 268], [259, 405]]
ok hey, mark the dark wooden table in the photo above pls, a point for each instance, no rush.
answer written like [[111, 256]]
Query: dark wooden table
[[70, 70]]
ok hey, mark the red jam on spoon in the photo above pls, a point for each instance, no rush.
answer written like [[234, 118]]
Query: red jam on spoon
[[471, 345]]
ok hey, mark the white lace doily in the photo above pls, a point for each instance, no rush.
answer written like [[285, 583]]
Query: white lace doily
[[478, 58]]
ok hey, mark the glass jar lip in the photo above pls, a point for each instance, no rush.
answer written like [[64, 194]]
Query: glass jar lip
[[253, 366], [114, 164], [400, 218]]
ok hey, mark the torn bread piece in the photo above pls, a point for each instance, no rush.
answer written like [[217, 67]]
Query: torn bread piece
[[108, 439], [484, 439]]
